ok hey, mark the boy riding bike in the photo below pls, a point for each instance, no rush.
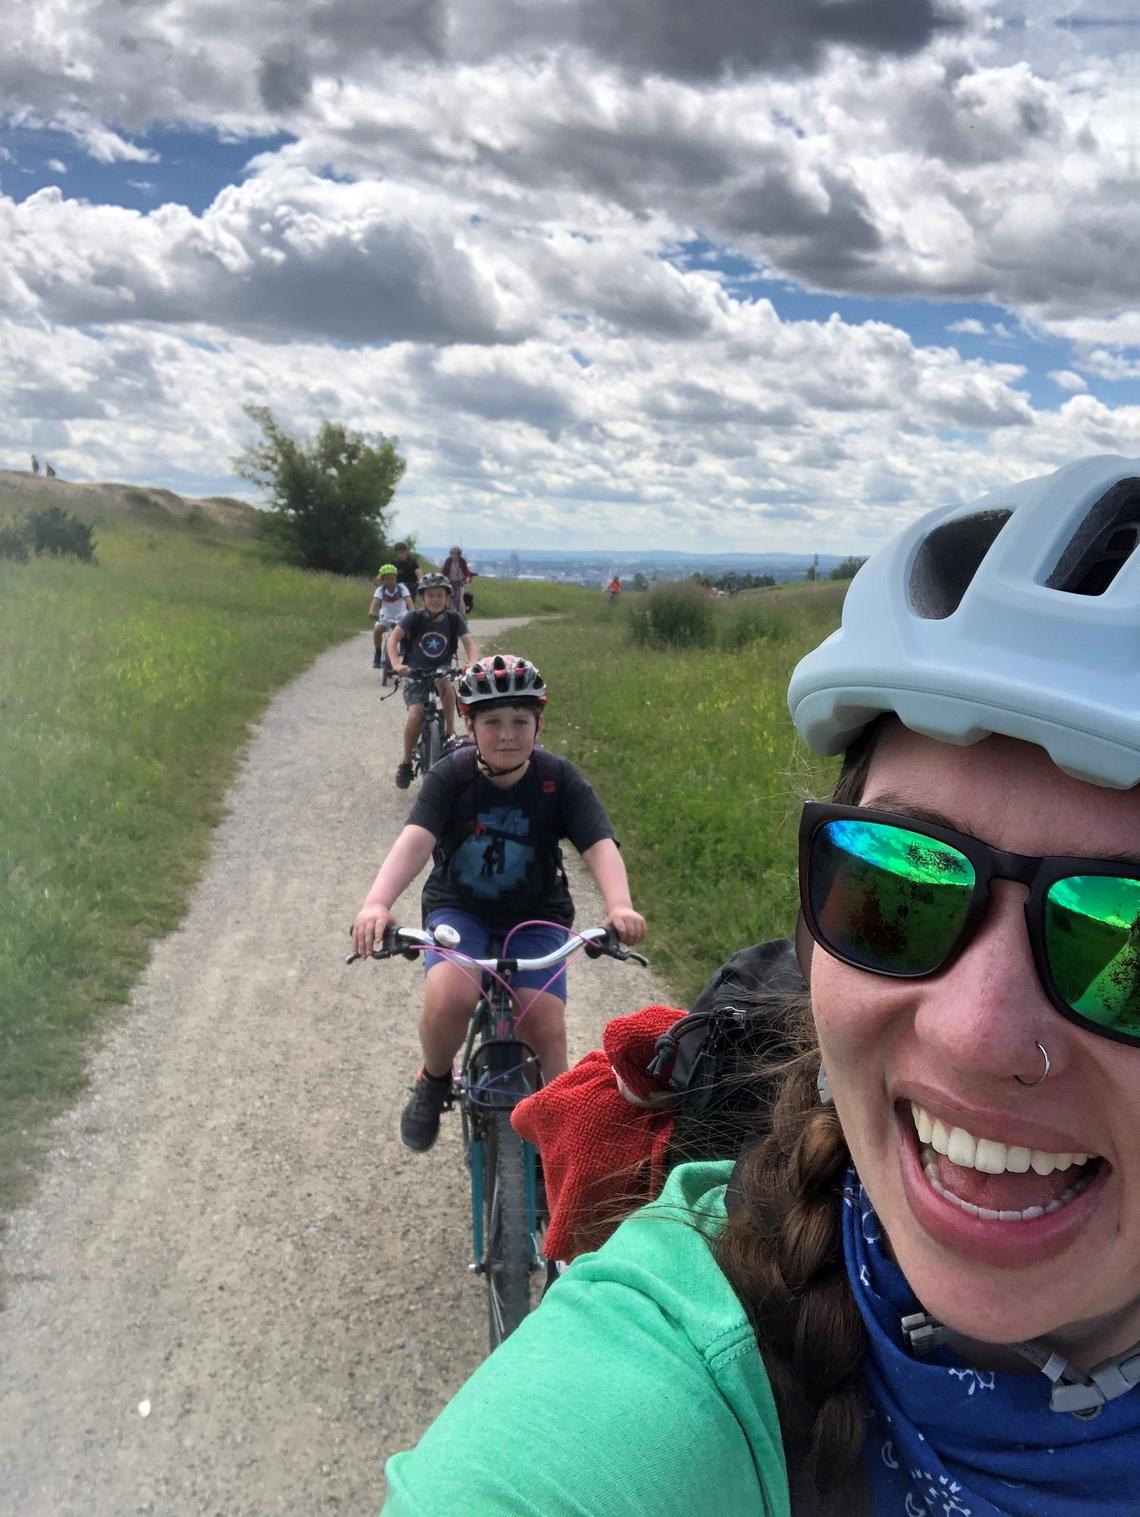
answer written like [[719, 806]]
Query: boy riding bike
[[491, 815], [390, 600], [420, 642]]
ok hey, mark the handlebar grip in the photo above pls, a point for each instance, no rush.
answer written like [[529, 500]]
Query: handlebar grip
[[611, 946]]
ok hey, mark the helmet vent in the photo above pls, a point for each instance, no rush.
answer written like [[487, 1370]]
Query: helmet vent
[[947, 561], [1103, 543]]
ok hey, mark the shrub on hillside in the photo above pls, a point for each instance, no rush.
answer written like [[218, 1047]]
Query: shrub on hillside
[[673, 616], [53, 531], [12, 542], [749, 624], [56, 532]]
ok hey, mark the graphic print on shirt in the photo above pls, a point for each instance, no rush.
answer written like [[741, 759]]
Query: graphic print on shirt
[[494, 860], [433, 643], [391, 605]]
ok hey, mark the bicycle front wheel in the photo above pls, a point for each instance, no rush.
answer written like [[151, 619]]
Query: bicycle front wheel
[[431, 742], [506, 1236]]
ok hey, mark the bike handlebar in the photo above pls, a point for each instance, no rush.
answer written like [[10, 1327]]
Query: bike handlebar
[[429, 676], [410, 941]]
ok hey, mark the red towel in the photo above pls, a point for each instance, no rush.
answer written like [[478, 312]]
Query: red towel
[[603, 1153]]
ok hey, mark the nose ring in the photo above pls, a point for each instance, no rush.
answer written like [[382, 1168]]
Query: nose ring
[[1029, 1084]]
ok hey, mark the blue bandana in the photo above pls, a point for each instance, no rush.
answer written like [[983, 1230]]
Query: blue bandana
[[946, 1440]]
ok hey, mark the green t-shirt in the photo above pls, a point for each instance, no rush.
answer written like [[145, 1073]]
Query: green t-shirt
[[636, 1390]]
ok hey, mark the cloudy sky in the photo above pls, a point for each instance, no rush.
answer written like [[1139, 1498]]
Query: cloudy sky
[[764, 274]]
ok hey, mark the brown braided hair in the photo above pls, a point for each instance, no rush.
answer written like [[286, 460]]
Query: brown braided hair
[[782, 1252]]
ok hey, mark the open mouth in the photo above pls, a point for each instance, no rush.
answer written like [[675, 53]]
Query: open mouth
[[995, 1181]]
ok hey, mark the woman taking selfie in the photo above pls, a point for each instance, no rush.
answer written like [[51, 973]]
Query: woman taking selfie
[[919, 1292]]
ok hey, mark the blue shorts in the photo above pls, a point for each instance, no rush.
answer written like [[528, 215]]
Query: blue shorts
[[528, 943]]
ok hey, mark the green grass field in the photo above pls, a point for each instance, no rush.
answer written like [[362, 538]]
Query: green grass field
[[126, 691], [526, 597], [695, 757]]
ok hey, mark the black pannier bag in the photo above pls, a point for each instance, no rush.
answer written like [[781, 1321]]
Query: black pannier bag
[[747, 1014]]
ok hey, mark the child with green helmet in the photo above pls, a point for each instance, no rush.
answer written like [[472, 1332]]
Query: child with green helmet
[[390, 600]]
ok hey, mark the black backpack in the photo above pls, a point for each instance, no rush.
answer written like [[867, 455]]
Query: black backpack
[[743, 1017]]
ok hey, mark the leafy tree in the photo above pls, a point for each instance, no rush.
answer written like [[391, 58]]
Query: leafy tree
[[330, 496], [848, 568], [639, 582]]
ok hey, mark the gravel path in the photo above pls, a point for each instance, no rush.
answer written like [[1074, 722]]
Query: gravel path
[[234, 1292]]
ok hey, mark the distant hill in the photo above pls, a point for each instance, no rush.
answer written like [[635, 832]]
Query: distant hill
[[23, 491]]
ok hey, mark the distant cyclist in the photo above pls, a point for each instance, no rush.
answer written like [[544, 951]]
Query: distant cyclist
[[407, 567], [613, 590], [492, 817], [423, 640], [456, 570], [390, 600]]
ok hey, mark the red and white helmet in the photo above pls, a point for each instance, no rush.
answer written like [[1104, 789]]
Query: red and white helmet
[[504, 679]]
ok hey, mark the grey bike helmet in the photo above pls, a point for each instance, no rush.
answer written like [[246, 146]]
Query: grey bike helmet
[[434, 582], [1017, 614], [503, 678]]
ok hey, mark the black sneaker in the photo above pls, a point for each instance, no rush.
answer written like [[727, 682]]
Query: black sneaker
[[419, 1122], [403, 776], [378, 659]]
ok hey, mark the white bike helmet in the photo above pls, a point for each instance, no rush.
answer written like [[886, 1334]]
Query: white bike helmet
[[1018, 614]]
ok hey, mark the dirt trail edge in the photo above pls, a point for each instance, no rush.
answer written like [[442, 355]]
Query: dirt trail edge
[[234, 1292]]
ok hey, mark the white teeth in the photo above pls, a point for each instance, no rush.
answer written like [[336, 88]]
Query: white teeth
[[961, 1149], [987, 1155], [987, 1213], [990, 1157]]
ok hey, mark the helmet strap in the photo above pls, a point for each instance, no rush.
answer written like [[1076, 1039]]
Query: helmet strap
[[1073, 1391], [485, 768]]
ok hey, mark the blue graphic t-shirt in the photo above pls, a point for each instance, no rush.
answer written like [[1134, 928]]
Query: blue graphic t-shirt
[[497, 853], [948, 1440], [430, 641]]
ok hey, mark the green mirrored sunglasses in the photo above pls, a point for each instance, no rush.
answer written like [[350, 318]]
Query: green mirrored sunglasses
[[899, 897]]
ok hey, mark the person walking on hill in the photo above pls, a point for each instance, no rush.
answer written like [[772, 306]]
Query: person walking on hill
[[491, 816], [613, 590], [35, 464], [917, 1292], [421, 641], [390, 600]]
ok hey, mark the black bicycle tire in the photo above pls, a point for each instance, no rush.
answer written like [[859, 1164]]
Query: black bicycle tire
[[434, 735], [506, 1237], [423, 746]]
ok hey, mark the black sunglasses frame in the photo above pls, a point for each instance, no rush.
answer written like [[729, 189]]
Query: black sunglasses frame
[[1037, 873]]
